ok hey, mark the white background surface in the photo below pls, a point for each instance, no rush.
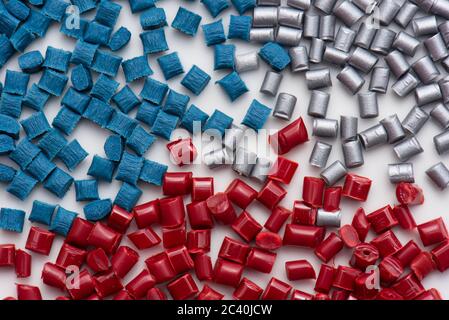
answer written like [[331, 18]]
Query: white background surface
[[194, 51]]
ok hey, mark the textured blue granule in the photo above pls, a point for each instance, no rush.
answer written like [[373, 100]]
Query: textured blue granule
[[108, 13], [119, 39], [6, 50], [18, 9], [31, 61], [53, 82], [83, 53], [35, 98], [9, 125], [129, 168], [153, 18], [121, 124], [6, 144], [193, 114], [7, 173], [99, 112], [42, 212], [57, 59], [136, 68], [215, 7], [186, 21], [21, 39], [176, 103], [233, 85], [86, 190], [37, 23], [154, 91], [16, 82], [72, 154], [9, 23], [66, 120], [153, 172], [11, 105], [196, 80], [128, 196], [240, 27], [224, 56], [170, 65], [147, 112], [73, 27], [126, 99], [81, 78], [51, 143], [218, 121], [97, 33], [164, 124], [55, 9], [62, 221], [275, 55], [21, 185], [35, 125], [113, 147], [24, 153], [140, 5], [154, 41], [12, 219], [97, 209], [214, 33], [257, 115], [106, 63], [101, 168], [140, 140], [243, 5], [40, 167], [85, 5], [75, 100], [104, 88], [58, 182]]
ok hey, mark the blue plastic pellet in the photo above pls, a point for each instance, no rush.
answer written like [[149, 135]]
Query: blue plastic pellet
[[73, 27], [233, 85], [8, 23], [37, 23], [98, 209], [140, 140], [176, 103], [58, 182], [81, 78], [106, 63], [86, 190], [224, 56], [215, 7], [24, 153], [53, 82], [12, 219], [72, 155], [101, 168], [18, 9], [243, 5], [240, 27], [16, 82], [186, 21], [194, 114], [153, 172], [276, 56], [11, 105], [40, 167], [31, 62], [257, 115], [66, 120], [121, 124], [97, 33], [108, 13], [153, 18], [9, 125], [104, 88], [218, 121], [196, 80], [127, 196], [214, 33], [6, 144], [84, 53], [164, 124], [154, 91], [35, 125], [51, 143], [55, 9], [170, 65], [119, 39], [136, 68], [99, 112], [21, 39], [147, 112], [126, 99], [140, 5], [113, 147], [75, 100], [21, 185], [42, 212], [154, 41], [129, 168], [6, 50], [35, 98], [57, 59], [84, 5], [62, 221], [7, 173]]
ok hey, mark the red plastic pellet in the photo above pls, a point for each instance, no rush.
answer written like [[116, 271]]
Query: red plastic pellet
[[409, 193], [83, 287], [146, 214], [325, 279], [388, 294], [261, 260], [247, 290], [345, 278], [408, 287], [227, 272], [62, 298], [233, 250], [70, 256], [283, 170], [361, 224], [54, 276], [104, 237], [156, 294], [40, 240], [387, 243], [107, 284], [7, 255], [97, 260], [299, 270], [144, 238], [349, 236], [364, 288], [382, 219], [199, 215], [313, 191], [422, 265], [356, 187], [160, 267], [22, 264], [390, 269], [202, 188], [339, 295], [221, 208], [27, 292], [431, 294], [404, 217], [172, 237], [303, 236], [94, 297], [172, 213], [329, 247], [433, 232], [180, 259], [441, 256], [182, 151], [246, 226], [119, 219], [332, 198], [364, 255], [140, 284], [268, 240], [79, 232], [183, 288], [271, 194], [240, 193], [123, 260], [289, 137], [207, 293], [321, 296], [123, 295], [277, 218], [303, 214], [407, 253], [198, 241], [203, 267], [301, 295], [276, 290], [177, 183]]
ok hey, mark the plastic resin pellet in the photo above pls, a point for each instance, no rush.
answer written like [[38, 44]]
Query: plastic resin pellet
[[290, 17], [362, 60], [275, 55], [344, 39], [262, 35], [380, 78], [170, 65], [348, 13], [285, 106], [271, 83], [441, 142], [299, 58], [335, 172], [440, 114], [348, 128], [407, 149], [325, 128], [368, 105], [439, 174], [335, 56], [374, 136], [265, 16], [327, 28], [406, 14], [246, 62], [316, 51], [233, 85], [352, 80], [405, 84], [320, 154], [318, 104], [353, 154], [401, 172], [406, 43], [288, 36], [311, 27], [240, 27], [394, 129], [214, 33], [318, 78], [365, 36]]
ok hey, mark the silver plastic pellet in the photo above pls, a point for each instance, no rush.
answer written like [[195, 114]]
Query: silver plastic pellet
[[320, 154], [244, 161], [261, 35], [374, 136], [406, 84], [318, 104], [401, 172], [383, 40], [425, 25], [444, 31], [268, 2], [353, 153], [330, 219], [233, 136], [387, 11], [325, 6], [366, 6], [351, 79], [299, 58], [348, 128], [397, 63], [427, 94], [365, 36], [407, 149], [406, 14], [362, 60], [325, 128], [439, 174], [264, 17], [246, 62], [428, 108], [335, 56], [261, 169], [444, 87], [327, 28], [285, 105], [415, 120], [288, 36], [440, 114], [334, 173], [217, 158], [393, 127], [348, 13], [380, 78], [441, 142], [436, 47], [368, 106], [311, 28], [271, 83], [441, 8], [319, 78], [344, 39], [299, 4], [316, 50], [425, 5], [290, 17], [406, 43]]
